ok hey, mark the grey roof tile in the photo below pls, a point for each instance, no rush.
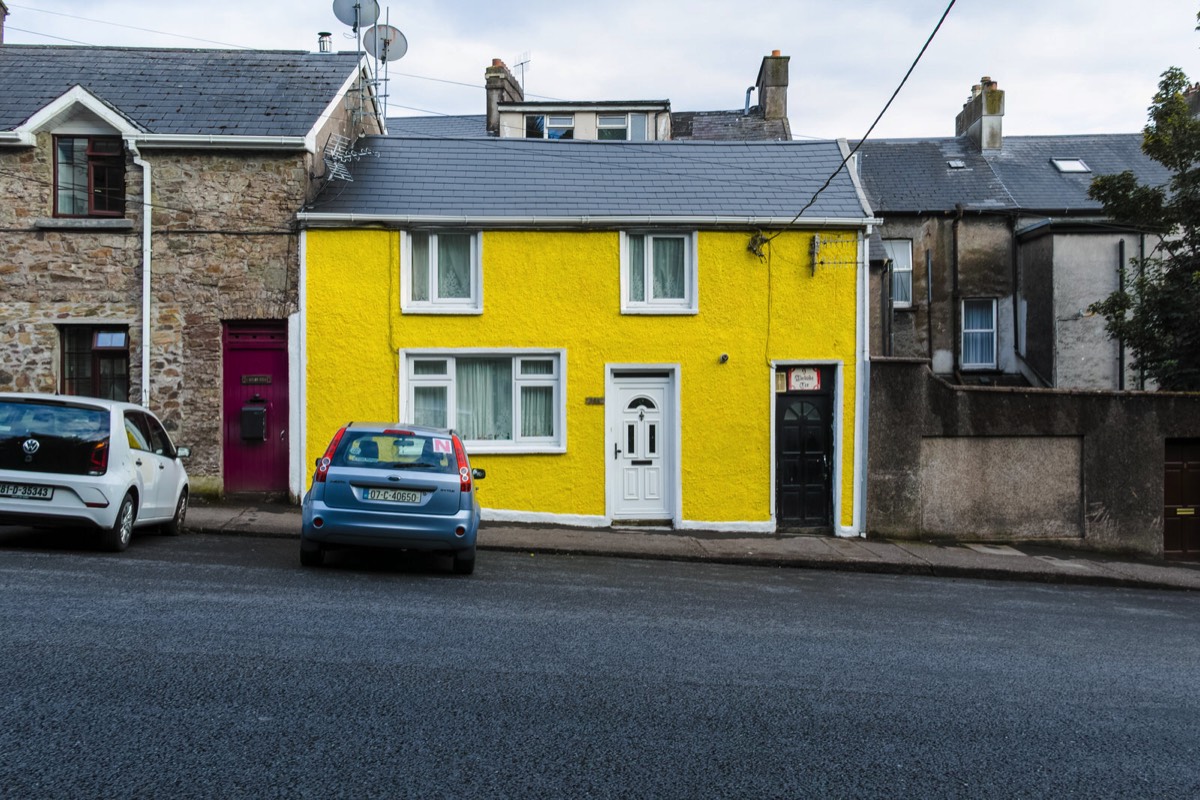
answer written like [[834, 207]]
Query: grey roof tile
[[914, 175], [529, 177], [171, 91]]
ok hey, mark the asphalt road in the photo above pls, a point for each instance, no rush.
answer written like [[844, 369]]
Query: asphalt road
[[216, 667]]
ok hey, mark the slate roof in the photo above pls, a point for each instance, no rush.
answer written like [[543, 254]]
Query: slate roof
[[171, 91], [536, 178], [914, 175], [448, 127]]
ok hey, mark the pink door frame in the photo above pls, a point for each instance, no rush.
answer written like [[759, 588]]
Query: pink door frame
[[254, 406]]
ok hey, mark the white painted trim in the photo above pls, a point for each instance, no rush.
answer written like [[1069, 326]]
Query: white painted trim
[[310, 138], [726, 527], [209, 142], [862, 382], [852, 169], [295, 413], [50, 113], [298, 470], [690, 305], [147, 260], [544, 518], [324, 219], [675, 392], [472, 306]]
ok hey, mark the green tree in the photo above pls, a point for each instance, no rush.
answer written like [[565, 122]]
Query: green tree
[[1157, 312]]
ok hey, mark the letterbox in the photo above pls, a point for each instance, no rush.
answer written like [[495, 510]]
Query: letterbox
[[254, 423]]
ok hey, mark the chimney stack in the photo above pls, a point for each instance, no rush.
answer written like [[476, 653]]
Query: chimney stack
[[982, 115], [772, 85], [3, 14], [502, 87]]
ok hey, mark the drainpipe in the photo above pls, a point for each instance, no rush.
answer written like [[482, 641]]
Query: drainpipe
[[146, 211], [1121, 340], [1141, 277], [955, 334]]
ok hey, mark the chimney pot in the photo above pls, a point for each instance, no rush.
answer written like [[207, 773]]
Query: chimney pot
[[325, 42], [775, 53]]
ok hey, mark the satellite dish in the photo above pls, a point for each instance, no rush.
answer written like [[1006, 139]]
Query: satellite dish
[[356, 13], [385, 42]]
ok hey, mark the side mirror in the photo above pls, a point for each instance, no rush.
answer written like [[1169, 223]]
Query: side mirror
[[183, 452], [478, 474], [317, 463]]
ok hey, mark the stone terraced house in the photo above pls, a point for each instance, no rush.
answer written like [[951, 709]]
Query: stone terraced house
[[148, 246]]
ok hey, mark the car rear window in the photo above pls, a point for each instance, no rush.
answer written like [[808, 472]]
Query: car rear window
[[66, 436], [395, 450]]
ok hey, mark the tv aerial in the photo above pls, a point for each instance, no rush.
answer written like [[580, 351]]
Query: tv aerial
[[383, 42]]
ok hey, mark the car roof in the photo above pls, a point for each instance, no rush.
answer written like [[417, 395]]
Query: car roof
[[380, 427], [70, 399]]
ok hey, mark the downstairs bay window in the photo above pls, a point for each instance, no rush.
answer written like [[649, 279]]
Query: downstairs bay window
[[495, 401]]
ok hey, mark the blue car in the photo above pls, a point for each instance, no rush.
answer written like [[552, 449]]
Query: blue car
[[392, 485]]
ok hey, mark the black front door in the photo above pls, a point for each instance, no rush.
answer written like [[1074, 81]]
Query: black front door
[[803, 459]]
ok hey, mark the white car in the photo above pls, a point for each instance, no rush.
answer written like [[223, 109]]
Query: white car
[[85, 462]]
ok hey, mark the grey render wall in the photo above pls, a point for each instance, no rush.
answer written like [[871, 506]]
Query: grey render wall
[[980, 249], [1076, 468]]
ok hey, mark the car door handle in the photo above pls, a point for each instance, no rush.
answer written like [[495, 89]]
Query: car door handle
[[138, 462], [161, 466]]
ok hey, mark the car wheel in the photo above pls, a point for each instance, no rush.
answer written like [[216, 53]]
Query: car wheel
[[116, 538], [464, 562], [311, 555], [175, 526]]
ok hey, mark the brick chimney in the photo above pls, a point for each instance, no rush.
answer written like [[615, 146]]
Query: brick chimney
[[982, 115], [772, 85], [502, 87], [3, 14], [1190, 94]]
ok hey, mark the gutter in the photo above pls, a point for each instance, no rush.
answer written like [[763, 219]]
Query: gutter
[[147, 207], [203, 142], [318, 220]]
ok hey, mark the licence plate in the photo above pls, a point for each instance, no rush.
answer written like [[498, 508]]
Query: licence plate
[[393, 495], [26, 491]]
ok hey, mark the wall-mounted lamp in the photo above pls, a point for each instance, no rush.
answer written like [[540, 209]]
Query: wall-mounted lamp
[[724, 358]]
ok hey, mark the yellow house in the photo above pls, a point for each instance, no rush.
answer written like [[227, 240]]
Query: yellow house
[[622, 333]]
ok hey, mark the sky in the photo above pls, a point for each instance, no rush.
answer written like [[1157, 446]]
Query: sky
[[1066, 66]]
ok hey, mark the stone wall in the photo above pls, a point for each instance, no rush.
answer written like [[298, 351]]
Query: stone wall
[[1076, 468]]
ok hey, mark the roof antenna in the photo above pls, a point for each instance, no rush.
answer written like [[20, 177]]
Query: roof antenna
[[523, 63]]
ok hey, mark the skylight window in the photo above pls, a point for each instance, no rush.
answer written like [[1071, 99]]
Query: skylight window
[[1070, 165], [956, 163]]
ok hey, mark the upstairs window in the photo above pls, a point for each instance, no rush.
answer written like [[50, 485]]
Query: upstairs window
[[900, 253], [540, 126], [612, 126], [658, 274], [979, 334], [442, 273], [89, 176]]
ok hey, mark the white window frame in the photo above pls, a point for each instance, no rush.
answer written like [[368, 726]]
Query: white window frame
[[690, 303], [962, 342], [896, 250], [548, 123], [624, 127], [557, 443], [435, 304]]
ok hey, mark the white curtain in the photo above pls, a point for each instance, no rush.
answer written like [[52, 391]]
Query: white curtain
[[454, 265], [484, 398], [668, 269], [900, 252], [420, 266], [537, 410], [979, 341], [429, 406], [637, 268]]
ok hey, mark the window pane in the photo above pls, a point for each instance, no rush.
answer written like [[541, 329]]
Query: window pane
[[611, 134], [420, 266], [637, 127], [979, 341], [537, 366], [484, 398], [537, 411], [454, 265], [535, 127], [429, 367], [72, 176], [429, 406], [668, 268], [637, 268], [562, 122], [902, 288]]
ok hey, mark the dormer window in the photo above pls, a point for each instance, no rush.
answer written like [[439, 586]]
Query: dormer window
[[89, 176], [554, 126]]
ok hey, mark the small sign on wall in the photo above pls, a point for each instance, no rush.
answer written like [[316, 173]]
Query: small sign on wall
[[798, 379]]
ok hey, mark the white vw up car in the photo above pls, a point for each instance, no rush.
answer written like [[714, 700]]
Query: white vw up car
[[85, 462]]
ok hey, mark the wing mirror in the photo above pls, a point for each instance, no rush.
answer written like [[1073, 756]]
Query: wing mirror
[[183, 452]]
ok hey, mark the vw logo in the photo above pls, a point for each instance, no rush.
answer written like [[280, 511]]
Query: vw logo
[[30, 446]]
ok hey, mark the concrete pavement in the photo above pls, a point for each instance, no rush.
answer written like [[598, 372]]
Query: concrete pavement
[[1005, 562]]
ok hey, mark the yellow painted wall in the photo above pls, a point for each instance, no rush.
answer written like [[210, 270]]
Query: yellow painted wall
[[562, 290]]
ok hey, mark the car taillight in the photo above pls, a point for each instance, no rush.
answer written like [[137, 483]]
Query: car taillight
[[464, 468], [98, 458], [327, 459]]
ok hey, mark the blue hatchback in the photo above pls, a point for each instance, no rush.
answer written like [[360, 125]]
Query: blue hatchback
[[392, 485]]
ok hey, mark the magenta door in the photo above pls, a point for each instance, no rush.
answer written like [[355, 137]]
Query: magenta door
[[255, 407]]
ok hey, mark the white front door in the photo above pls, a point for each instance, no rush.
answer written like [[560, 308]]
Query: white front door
[[640, 448]]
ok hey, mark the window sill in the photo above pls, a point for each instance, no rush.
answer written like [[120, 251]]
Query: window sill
[[660, 311], [83, 224], [485, 447], [444, 310]]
